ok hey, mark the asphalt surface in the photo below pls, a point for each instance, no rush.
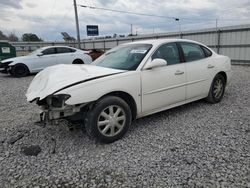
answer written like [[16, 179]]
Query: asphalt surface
[[195, 145]]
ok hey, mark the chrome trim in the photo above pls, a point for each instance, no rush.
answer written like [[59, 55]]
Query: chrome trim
[[172, 87]]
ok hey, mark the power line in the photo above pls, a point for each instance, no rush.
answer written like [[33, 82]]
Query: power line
[[129, 12], [158, 16]]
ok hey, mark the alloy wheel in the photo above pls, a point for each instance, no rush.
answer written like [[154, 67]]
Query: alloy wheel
[[218, 88], [111, 121]]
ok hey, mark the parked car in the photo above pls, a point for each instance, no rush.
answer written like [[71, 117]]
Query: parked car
[[42, 58], [128, 82], [95, 53]]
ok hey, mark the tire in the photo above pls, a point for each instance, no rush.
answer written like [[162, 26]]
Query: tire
[[217, 89], [113, 116], [19, 70], [78, 61]]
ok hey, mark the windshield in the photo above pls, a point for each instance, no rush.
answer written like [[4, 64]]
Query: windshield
[[124, 57]]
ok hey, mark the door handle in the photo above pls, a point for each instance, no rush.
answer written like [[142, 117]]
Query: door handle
[[210, 66], [178, 72]]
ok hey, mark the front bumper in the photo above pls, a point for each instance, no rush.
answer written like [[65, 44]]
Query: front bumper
[[4, 68], [5, 71], [48, 115]]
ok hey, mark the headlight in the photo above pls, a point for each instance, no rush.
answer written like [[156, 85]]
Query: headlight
[[59, 100], [7, 62]]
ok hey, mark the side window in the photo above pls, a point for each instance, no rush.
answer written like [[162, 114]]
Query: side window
[[169, 52], [207, 52], [61, 50], [192, 51], [49, 51]]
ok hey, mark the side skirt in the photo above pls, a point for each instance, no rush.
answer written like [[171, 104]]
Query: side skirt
[[143, 114]]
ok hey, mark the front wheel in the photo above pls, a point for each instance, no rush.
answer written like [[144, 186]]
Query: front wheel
[[19, 70], [217, 89], [109, 119]]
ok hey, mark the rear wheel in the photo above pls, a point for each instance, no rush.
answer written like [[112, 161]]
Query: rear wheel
[[78, 61], [217, 89], [108, 120], [19, 70]]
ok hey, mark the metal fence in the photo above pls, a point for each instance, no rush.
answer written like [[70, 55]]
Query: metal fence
[[231, 41]]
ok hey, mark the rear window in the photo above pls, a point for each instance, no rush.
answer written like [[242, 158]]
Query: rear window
[[192, 51], [61, 50], [207, 52]]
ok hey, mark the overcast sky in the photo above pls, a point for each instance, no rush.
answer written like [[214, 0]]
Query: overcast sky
[[47, 18]]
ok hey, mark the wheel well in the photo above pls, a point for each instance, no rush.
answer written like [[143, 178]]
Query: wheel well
[[78, 61], [128, 99], [20, 64], [224, 75]]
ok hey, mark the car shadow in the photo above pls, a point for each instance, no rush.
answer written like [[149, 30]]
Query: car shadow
[[10, 76], [78, 135]]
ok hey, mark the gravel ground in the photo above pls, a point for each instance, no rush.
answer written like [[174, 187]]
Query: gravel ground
[[195, 145]]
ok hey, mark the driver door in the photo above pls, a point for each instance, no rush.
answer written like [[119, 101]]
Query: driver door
[[47, 59], [164, 86]]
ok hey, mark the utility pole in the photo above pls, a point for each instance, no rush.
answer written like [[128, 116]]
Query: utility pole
[[77, 26], [178, 20], [131, 29], [216, 24]]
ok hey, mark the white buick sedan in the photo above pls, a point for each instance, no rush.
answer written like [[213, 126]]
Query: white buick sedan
[[128, 82], [42, 58]]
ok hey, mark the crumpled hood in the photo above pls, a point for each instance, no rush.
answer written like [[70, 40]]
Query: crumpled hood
[[57, 77]]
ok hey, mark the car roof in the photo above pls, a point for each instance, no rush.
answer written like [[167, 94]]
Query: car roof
[[45, 47], [161, 41]]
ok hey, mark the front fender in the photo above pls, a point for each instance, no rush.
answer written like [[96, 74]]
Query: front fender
[[93, 90], [12, 64]]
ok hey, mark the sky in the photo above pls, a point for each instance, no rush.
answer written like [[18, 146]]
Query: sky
[[48, 18]]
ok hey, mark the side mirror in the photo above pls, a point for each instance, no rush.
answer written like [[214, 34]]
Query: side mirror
[[40, 54], [156, 63]]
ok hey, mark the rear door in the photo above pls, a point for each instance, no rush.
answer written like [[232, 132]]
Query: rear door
[[65, 55], [199, 68]]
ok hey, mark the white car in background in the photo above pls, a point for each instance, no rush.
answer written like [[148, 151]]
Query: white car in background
[[42, 58], [128, 82]]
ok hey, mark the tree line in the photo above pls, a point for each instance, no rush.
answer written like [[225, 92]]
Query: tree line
[[26, 37]]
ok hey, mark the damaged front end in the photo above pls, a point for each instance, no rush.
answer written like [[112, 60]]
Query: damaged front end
[[54, 107], [5, 68]]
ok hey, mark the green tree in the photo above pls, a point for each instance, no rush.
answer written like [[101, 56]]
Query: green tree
[[3, 36], [12, 37], [27, 37]]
